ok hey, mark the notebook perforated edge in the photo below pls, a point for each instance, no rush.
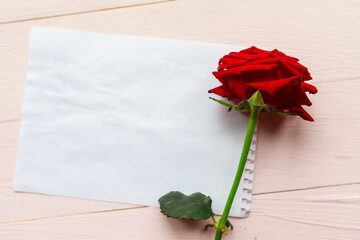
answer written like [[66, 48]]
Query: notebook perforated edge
[[246, 184]]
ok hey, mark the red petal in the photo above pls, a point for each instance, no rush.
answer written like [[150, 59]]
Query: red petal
[[288, 70], [245, 68], [305, 115], [272, 87], [265, 61], [259, 56], [235, 55], [220, 91], [309, 88], [282, 93], [226, 62], [294, 71], [300, 68], [222, 66], [249, 53], [247, 56], [253, 50], [277, 53]]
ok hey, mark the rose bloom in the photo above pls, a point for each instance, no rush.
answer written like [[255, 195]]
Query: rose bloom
[[280, 79]]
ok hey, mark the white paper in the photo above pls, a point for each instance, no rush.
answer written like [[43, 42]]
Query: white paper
[[127, 119]]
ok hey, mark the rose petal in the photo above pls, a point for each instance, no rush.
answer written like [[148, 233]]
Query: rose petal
[[261, 75], [220, 91], [305, 115], [223, 66], [273, 87], [253, 50], [283, 92], [300, 68], [226, 63], [240, 69], [287, 70], [246, 56], [282, 55], [309, 88], [249, 53], [270, 60], [302, 97]]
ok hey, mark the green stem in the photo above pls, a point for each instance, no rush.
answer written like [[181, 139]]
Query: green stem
[[255, 110]]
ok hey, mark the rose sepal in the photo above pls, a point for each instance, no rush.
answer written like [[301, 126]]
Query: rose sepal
[[255, 100], [243, 106]]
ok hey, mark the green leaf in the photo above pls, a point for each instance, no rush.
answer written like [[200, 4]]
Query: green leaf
[[178, 205]]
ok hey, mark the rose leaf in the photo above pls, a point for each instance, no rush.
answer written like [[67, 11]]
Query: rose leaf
[[178, 205]]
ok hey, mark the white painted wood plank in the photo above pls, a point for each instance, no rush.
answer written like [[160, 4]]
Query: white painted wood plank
[[318, 214], [20, 10], [324, 39], [324, 36]]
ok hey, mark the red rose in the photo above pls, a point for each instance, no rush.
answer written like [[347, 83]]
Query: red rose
[[280, 79]]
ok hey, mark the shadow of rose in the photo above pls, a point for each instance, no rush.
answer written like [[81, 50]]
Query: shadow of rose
[[276, 131], [271, 122]]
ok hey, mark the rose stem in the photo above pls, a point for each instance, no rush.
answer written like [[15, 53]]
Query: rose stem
[[255, 110]]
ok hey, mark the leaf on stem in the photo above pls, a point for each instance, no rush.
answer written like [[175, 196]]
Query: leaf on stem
[[178, 205]]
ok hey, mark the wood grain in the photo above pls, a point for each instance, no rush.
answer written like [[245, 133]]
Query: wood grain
[[319, 214], [324, 39], [13, 11]]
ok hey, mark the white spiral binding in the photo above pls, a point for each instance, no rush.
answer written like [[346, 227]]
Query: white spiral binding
[[246, 183]]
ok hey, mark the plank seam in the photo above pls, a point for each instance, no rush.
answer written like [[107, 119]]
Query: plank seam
[[308, 188], [85, 12], [10, 121], [356, 78], [141, 207], [73, 214]]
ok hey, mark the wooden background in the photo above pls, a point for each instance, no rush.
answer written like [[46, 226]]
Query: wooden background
[[307, 176]]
